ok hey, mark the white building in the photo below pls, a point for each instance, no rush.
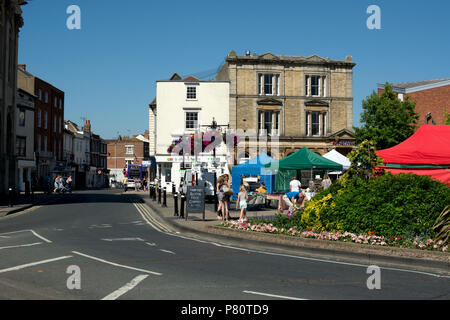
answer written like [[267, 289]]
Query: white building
[[185, 107], [81, 153]]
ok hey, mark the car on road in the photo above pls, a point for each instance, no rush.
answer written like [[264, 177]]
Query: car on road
[[131, 184]]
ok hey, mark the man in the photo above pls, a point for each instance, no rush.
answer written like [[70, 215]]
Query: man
[[125, 184], [262, 188], [294, 185]]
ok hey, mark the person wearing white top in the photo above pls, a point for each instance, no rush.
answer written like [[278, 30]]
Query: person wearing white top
[[294, 185]]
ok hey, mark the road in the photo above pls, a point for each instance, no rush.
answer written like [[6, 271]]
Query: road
[[97, 245]]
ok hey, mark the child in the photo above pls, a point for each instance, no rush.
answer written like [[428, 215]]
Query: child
[[242, 201]]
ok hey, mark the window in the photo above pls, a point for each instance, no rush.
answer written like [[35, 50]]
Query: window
[[22, 118], [60, 125], [40, 94], [268, 121], [315, 123], [191, 93], [60, 103], [39, 143], [129, 149], [266, 84], [46, 97], [54, 124], [191, 120], [21, 144], [56, 102], [45, 144], [315, 85], [45, 119]]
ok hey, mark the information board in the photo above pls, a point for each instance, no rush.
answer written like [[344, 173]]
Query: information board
[[195, 200]]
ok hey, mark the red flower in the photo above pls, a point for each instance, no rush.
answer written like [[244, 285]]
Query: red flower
[[392, 238], [399, 238]]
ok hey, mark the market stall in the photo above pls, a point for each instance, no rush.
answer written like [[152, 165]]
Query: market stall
[[337, 157], [254, 167], [426, 152]]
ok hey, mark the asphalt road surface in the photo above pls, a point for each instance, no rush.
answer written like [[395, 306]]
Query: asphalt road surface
[[97, 245]]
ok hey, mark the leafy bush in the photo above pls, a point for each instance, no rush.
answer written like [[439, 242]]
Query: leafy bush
[[390, 205]]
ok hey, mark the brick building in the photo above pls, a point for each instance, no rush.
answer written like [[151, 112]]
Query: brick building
[[302, 101], [49, 128], [123, 151], [432, 98], [96, 171]]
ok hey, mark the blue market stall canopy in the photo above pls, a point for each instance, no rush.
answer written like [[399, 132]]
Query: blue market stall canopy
[[253, 168]]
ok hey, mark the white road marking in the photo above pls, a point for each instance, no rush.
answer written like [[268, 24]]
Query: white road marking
[[32, 264], [152, 244], [5, 237], [22, 245], [272, 295], [124, 239], [116, 264], [32, 231], [129, 286], [167, 251], [101, 226]]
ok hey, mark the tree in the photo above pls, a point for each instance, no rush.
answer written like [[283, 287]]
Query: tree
[[386, 120], [447, 117]]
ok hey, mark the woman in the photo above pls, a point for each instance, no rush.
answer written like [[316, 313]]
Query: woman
[[227, 197], [326, 182], [241, 203], [220, 197]]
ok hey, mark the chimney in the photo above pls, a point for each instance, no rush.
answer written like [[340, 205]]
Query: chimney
[[22, 66], [87, 126]]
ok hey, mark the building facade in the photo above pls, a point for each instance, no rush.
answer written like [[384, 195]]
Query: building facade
[[26, 164], [97, 173], [10, 23], [81, 154], [124, 151], [296, 101], [432, 98], [184, 107], [49, 129]]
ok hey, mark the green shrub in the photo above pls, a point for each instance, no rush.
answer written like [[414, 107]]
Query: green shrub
[[390, 205]]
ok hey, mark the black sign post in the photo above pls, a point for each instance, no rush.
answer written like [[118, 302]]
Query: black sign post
[[195, 200]]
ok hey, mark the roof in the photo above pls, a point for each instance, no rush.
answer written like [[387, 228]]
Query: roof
[[413, 86], [428, 145], [282, 59], [305, 159]]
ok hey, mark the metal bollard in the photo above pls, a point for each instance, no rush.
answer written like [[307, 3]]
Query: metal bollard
[[175, 204], [164, 204], [154, 193], [183, 199], [159, 194], [150, 192], [173, 188], [10, 197]]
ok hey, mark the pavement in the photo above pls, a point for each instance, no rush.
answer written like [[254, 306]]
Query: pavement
[[423, 260], [25, 202]]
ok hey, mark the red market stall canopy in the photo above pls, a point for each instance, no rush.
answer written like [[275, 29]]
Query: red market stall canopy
[[430, 145]]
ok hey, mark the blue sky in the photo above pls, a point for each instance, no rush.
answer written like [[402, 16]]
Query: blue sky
[[108, 69]]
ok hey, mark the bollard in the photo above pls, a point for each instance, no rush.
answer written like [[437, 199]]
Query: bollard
[[173, 188], [183, 199], [164, 204], [150, 191], [10, 200], [175, 205], [159, 194], [154, 193]]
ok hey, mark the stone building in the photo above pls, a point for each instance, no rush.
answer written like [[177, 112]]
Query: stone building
[[10, 23], [298, 101]]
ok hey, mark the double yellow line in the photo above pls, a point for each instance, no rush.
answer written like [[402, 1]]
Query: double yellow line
[[145, 213]]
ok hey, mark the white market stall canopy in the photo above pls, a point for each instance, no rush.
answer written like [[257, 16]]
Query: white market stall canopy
[[335, 156]]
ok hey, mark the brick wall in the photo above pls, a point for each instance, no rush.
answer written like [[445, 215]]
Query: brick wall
[[435, 100]]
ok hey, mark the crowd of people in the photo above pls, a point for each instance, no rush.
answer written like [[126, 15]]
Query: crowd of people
[[61, 185]]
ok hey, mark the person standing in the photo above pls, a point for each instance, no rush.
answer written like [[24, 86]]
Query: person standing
[[326, 182], [69, 183], [125, 184], [242, 203], [294, 185]]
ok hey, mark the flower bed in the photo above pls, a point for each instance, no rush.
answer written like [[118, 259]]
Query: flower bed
[[370, 238]]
